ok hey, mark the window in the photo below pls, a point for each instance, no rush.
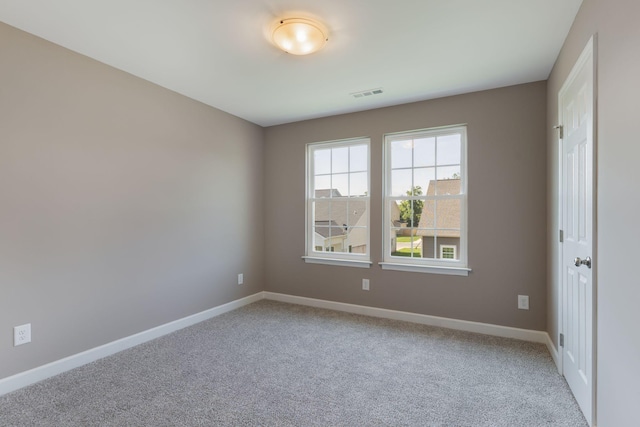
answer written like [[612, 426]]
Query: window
[[426, 201], [338, 202], [448, 251]]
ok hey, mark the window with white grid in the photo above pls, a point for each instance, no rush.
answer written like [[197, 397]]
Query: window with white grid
[[425, 207], [338, 201]]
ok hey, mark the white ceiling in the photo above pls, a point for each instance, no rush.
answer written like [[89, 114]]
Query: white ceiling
[[217, 52]]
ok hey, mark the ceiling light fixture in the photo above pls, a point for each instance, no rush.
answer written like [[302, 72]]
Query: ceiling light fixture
[[299, 36]]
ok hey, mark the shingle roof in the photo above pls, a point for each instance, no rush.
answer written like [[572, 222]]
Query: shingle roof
[[329, 228], [333, 192], [448, 210], [342, 210]]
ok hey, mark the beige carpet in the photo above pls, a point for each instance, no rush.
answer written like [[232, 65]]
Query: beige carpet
[[275, 364]]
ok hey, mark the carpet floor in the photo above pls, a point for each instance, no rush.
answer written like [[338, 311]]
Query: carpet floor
[[276, 364]]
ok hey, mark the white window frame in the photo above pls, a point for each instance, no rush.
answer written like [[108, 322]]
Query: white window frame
[[426, 265], [443, 247], [349, 259]]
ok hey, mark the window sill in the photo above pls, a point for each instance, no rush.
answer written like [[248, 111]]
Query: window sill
[[432, 269], [334, 261]]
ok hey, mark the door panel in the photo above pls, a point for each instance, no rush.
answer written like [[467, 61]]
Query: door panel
[[576, 204]]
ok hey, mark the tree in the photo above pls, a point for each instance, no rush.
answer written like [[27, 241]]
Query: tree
[[409, 215]]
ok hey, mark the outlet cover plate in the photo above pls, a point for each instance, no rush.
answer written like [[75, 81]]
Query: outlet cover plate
[[22, 334], [365, 284], [523, 302]]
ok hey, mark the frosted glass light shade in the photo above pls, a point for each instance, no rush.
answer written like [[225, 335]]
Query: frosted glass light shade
[[299, 36]]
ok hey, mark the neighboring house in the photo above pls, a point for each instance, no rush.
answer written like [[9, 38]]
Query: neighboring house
[[440, 227], [344, 212], [348, 213], [329, 237], [394, 217]]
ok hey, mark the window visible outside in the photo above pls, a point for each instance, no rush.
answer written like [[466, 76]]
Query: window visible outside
[[447, 252], [425, 200], [338, 200]]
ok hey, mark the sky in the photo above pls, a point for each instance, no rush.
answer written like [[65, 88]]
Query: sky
[[414, 162]]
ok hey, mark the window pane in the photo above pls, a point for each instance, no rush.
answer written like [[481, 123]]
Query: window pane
[[449, 172], [338, 240], [448, 217], [401, 182], [358, 158], [357, 213], [407, 244], [448, 187], [322, 161], [318, 242], [424, 152], [393, 237], [358, 185], [447, 248], [427, 218], [357, 240], [448, 150], [330, 237], [321, 211], [394, 213], [401, 153], [340, 183], [422, 177], [340, 160], [427, 244], [322, 186], [339, 213], [410, 212]]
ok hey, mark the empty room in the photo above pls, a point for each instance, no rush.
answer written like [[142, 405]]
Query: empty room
[[336, 213]]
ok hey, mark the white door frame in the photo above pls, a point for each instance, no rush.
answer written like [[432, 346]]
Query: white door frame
[[589, 53]]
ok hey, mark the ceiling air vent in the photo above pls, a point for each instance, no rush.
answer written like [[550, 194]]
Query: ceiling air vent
[[369, 92]]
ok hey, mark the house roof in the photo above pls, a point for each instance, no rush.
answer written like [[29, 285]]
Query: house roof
[[329, 229], [441, 214], [345, 211], [326, 192]]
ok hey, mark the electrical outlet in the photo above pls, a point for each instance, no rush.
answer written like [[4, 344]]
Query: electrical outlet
[[240, 279], [523, 302], [21, 334], [365, 284]]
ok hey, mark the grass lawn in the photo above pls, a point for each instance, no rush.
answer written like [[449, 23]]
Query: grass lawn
[[407, 252], [407, 239]]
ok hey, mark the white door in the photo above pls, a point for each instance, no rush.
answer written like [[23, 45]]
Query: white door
[[576, 107]]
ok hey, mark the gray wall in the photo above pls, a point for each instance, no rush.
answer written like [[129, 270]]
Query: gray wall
[[123, 206], [616, 23], [507, 210]]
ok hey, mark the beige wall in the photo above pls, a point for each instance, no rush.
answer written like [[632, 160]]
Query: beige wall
[[618, 62], [123, 205], [507, 206]]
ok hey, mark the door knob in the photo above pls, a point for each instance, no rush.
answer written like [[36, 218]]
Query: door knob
[[578, 262]]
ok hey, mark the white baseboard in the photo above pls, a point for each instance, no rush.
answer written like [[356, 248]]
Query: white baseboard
[[40, 373], [554, 353], [424, 319]]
